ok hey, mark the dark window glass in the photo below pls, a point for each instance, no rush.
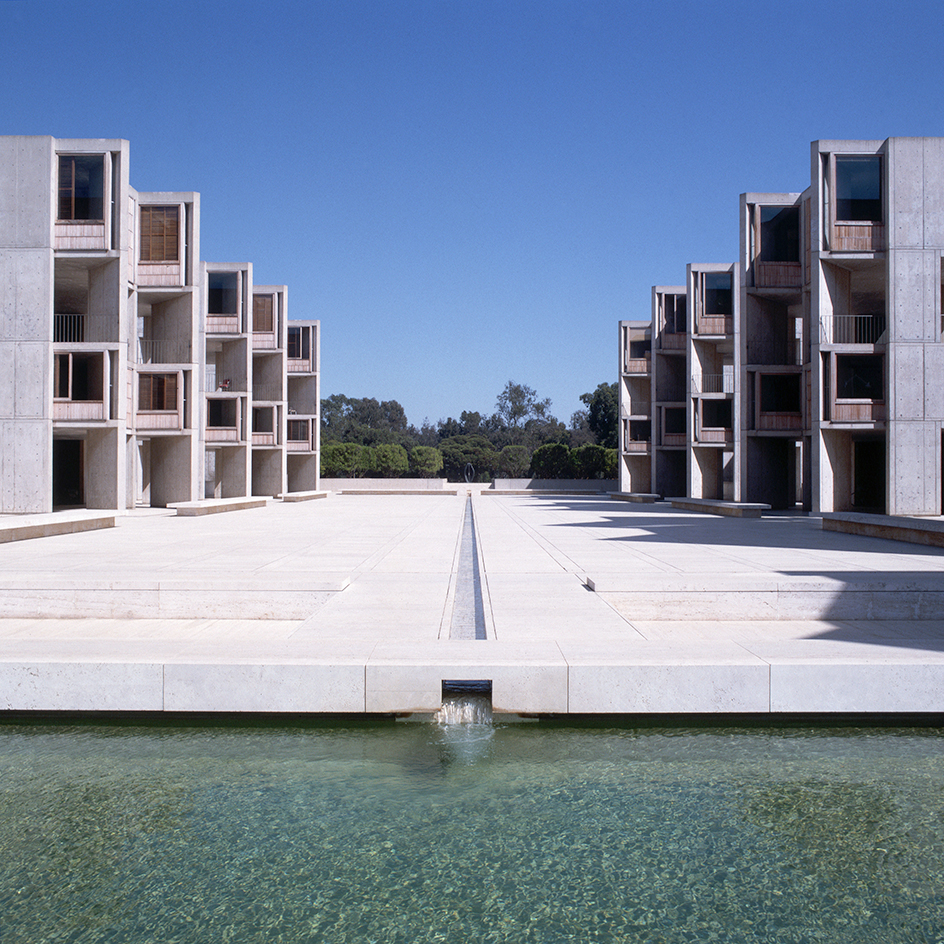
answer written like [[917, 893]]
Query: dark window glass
[[859, 188], [716, 414], [859, 377], [780, 393], [779, 234], [221, 293], [157, 391], [221, 413], [81, 187], [298, 343], [718, 294], [640, 430], [674, 420]]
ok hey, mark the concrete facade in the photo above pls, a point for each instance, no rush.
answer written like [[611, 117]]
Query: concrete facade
[[121, 383], [832, 356]]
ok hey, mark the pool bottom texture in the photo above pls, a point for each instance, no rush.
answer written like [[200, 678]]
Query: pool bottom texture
[[467, 833]]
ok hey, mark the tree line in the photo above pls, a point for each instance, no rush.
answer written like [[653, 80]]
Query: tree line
[[361, 437]]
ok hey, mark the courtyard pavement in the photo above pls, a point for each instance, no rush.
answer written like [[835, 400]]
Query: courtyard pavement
[[590, 606]]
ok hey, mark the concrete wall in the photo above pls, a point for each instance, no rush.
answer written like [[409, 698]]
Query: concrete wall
[[27, 191]]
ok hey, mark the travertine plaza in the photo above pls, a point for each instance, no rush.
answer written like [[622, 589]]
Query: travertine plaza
[[143, 391]]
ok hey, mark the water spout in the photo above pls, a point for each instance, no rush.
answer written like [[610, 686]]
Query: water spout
[[467, 701]]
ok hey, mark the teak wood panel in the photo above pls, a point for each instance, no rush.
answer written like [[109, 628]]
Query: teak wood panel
[[222, 324], [777, 274], [81, 236], [860, 411], [222, 434], [159, 273], [780, 421], [78, 410], [858, 237], [158, 419]]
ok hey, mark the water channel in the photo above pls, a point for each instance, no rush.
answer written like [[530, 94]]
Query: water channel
[[375, 831]]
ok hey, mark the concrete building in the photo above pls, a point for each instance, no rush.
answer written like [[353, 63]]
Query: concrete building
[[820, 389], [132, 373]]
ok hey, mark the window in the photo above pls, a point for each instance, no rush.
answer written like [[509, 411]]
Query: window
[[780, 393], [716, 414], [859, 188], [859, 377], [674, 421], [160, 228], [262, 313], [640, 431], [78, 377], [262, 421], [298, 343], [222, 293], [81, 187], [157, 392], [718, 295], [221, 413], [779, 234], [675, 320], [298, 430]]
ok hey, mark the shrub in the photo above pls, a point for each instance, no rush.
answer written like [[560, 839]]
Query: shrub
[[552, 461], [390, 460], [345, 460], [590, 461], [513, 462]]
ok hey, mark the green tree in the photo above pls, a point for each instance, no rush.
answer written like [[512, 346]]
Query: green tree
[[425, 461], [391, 460], [518, 403], [513, 462], [552, 461], [603, 413]]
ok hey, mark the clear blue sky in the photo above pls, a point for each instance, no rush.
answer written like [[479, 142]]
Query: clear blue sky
[[470, 191]]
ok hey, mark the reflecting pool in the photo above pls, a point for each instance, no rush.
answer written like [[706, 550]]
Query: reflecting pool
[[395, 832]]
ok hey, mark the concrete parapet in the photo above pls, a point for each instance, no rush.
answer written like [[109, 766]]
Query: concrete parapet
[[714, 507], [927, 531], [385, 485]]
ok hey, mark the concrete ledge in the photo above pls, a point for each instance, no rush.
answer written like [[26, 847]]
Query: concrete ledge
[[399, 486], [214, 506], [927, 531], [643, 497], [303, 496], [44, 526], [713, 507]]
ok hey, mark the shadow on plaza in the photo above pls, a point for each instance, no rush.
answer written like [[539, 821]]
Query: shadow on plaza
[[899, 609]]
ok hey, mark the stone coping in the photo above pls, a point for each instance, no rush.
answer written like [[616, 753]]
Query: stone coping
[[213, 506], [714, 507], [927, 531]]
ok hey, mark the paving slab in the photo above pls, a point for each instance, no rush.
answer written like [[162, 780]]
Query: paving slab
[[592, 606]]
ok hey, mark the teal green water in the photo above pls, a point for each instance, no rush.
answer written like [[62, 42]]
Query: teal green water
[[519, 833]]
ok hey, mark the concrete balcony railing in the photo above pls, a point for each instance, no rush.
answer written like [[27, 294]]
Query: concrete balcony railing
[[853, 329], [267, 391], [85, 329], [163, 352]]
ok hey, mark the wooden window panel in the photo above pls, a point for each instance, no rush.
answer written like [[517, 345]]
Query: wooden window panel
[[262, 313], [160, 233]]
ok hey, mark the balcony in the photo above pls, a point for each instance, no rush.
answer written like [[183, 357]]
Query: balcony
[[222, 324], [637, 447], [672, 341], [715, 324], [263, 439], [267, 392], [163, 352], [78, 410], [85, 329], [777, 274], [857, 411], [853, 329], [637, 365], [712, 383], [780, 422], [80, 392], [857, 237], [715, 435], [264, 341], [674, 439]]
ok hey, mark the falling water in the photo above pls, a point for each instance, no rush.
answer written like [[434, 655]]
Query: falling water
[[465, 709]]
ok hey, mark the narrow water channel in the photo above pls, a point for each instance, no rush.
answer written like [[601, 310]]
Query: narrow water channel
[[468, 611], [386, 832]]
